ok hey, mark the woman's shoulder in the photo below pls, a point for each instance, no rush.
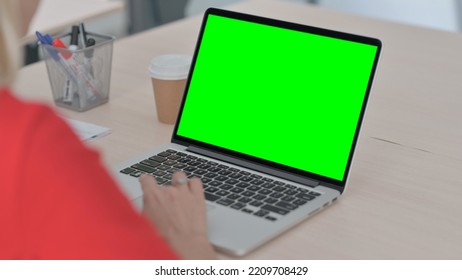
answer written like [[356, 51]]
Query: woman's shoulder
[[17, 112]]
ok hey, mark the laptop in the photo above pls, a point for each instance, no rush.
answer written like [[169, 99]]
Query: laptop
[[269, 121]]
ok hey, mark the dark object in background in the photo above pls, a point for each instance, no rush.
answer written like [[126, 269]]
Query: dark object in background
[[145, 14]]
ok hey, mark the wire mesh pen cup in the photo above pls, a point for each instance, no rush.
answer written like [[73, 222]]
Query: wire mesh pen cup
[[80, 79]]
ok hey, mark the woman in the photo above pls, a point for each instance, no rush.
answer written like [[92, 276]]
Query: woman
[[56, 199]]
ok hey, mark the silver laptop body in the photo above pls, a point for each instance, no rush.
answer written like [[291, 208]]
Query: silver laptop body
[[239, 117]]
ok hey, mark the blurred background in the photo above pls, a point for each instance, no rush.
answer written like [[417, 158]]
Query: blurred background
[[125, 17]]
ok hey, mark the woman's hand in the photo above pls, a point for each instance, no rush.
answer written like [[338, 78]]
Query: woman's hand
[[179, 214]]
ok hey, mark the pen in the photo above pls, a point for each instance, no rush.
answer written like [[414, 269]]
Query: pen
[[83, 35], [89, 55], [74, 44], [68, 88]]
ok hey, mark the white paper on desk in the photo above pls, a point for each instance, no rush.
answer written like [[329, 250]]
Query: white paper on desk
[[88, 131]]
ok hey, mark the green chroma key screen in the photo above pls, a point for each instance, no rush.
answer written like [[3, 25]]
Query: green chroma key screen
[[285, 96]]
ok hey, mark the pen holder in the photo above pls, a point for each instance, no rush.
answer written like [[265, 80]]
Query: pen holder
[[80, 78]]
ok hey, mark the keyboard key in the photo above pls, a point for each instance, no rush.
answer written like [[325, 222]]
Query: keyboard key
[[248, 193], [261, 213], [257, 182], [189, 168], [233, 196], [164, 154], [232, 181], [276, 195], [270, 218], [150, 162], [265, 191], [248, 211], [206, 180], [171, 151], [200, 172], [224, 172], [300, 202], [161, 181], [215, 183], [291, 192], [158, 159], [279, 189], [174, 157], [288, 198], [235, 175], [211, 189], [245, 200], [237, 190], [143, 167], [180, 165], [275, 209], [183, 160], [137, 174], [305, 196], [256, 203], [246, 179], [259, 197], [210, 175], [127, 170], [314, 193], [204, 166], [221, 178], [226, 187], [170, 162], [214, 169], [286, 205], [225, 201], [270, 200], [254, 188], [159, 173], [242, 185], [238, 205], [211, 197], [163, 167], [222, 193]]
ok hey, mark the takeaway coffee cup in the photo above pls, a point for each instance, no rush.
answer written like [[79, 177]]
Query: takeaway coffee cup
[[168, 74]]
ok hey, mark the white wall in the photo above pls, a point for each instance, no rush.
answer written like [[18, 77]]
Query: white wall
[[439, 14]]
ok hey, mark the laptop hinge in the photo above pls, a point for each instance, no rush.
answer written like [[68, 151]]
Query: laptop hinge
[[254, 166]]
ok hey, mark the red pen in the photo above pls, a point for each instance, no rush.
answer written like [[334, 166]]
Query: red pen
[[57, 43]]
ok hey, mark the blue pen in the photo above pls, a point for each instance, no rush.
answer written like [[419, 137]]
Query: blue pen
[[45, 41]]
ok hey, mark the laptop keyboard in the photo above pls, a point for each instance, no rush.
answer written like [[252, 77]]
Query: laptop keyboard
[[238, 189]]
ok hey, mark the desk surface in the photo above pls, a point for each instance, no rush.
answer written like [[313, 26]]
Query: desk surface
[[404, 195], [53, 16]]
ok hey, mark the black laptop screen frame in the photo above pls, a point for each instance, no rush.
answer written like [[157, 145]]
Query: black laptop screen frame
[[337, 184]]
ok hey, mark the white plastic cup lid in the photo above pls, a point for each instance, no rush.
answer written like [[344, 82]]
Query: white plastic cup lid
[[170, 67]]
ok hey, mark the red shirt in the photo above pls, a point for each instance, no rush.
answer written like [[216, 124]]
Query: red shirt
[[57, 201]]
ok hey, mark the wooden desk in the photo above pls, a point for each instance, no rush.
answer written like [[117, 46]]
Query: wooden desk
[[54, 16], [404, 194]]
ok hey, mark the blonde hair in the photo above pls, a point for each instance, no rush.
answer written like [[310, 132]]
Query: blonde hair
[[9, 43]]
